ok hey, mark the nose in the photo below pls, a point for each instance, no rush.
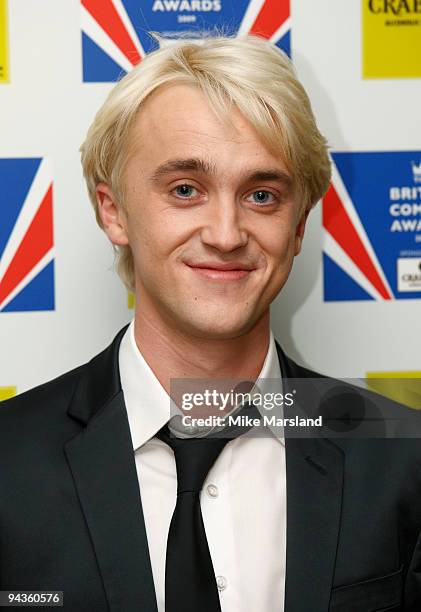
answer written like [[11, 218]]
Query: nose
[[224, 228]]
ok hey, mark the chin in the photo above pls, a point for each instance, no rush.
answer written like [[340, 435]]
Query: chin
[[218, 328]]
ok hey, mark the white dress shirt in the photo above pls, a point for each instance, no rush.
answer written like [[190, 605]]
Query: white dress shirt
[[243, 499]]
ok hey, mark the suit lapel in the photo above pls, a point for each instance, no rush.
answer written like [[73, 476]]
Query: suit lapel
[[314, 475], [102, 463]]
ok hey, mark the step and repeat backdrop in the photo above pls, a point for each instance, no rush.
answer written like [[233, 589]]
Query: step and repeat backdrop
[[351, 307]]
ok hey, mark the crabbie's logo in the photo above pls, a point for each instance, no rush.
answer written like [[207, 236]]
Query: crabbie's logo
[[409, 274], [116, 33], [372, 223], [26, 235], [395, 7], [391, 38]]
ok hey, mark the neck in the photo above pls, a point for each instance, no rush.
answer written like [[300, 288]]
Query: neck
[[172, 353]]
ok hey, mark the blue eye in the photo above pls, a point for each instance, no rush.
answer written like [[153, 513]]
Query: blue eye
[[261, 197], [185, 191]]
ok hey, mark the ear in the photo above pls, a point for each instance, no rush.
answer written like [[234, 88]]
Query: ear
[[299, 231], [112, 215]]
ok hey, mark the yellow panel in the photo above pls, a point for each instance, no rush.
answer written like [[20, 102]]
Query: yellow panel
[[130, 300], [403, 387], [4, 43], [391, 38], [397, 374], [6, 392]]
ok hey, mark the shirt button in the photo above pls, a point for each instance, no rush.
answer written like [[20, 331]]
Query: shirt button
[[221, 583], [212, 490]]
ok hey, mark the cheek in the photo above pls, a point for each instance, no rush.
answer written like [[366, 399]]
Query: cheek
[[279, 243], [152, 240], [171, 231]]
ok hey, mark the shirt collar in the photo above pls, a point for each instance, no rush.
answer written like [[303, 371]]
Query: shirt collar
[[147, 402]]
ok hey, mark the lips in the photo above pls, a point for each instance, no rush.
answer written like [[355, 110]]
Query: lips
[[221, 271], [227, 266]]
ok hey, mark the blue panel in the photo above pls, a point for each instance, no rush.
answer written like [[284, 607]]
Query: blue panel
[[338, 286], [98, 67], [284, 43], [174, 17], [369, 178], [16, 176], [37, 295]]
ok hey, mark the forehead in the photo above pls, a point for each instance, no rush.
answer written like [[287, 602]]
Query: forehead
[[177, 121]]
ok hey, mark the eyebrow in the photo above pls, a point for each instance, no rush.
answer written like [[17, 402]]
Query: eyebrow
[[196, 164]]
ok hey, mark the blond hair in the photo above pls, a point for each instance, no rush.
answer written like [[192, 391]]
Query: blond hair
[[247, 71]]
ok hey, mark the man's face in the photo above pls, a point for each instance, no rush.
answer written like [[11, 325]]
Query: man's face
[[199, 193]]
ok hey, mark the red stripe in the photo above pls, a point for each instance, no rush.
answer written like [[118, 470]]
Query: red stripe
[[337, 222], [105, 14], [35, 244], [272, 15]]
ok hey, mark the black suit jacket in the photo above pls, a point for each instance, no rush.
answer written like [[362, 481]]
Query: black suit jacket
[[71, 513]]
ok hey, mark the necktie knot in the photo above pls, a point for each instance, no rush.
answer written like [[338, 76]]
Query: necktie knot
[[194, 458]]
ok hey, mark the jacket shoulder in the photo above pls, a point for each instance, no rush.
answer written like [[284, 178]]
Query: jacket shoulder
[[365, 424], [337, 386], [39, 401], [45, 408]]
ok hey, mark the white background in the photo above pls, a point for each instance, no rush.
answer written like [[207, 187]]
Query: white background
[[45, 112]]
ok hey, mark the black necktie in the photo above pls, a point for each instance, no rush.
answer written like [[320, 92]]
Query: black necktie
[[190, 584]]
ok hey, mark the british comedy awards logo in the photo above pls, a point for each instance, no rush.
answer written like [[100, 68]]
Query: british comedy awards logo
[[372, 227], [115, 33], [26, 235]]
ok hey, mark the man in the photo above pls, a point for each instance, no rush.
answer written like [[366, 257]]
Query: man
[[202, 166]]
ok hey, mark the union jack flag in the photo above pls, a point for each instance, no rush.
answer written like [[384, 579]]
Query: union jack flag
[[365, 238], [115, 33], [26, 235]]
